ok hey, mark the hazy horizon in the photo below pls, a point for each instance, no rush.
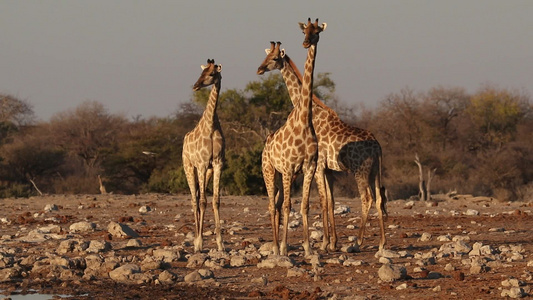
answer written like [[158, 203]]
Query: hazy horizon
[[142, 57]]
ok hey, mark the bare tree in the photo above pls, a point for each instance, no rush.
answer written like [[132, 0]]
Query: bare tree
[[16, 111], [424, 187], [87, 132]]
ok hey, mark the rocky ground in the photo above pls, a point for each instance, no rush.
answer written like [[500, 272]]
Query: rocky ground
[[132, 247]]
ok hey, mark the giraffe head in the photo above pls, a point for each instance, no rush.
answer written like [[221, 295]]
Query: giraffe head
[[209, 76], [273, 60], [311, 31]]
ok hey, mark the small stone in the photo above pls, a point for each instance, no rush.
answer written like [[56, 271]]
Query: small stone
[[238, 260], [316, 235], [192, 277], [350, 248], [50, 208], [81, 227], [121, 230], [449, 267], [342, 209], [125, 272], [387, 253], [471, 212], [385, 260], [144, 209], [167, 255], [350, 262], [134, 243], [98, 246], [166, 277], [425, 237], [514, 292], [402, 286], [390, 273], [276, 261]]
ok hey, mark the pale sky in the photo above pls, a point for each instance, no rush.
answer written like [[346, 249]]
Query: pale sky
[[142, 57]]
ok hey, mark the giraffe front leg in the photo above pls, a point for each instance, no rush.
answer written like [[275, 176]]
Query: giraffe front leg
[[217, 169], [199, 240], [287, 180], [381, 210], [331, 212], [308, 177]]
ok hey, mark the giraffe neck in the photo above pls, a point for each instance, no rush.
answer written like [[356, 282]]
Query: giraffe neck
[[293, 81], [307, 86], [208, 118]]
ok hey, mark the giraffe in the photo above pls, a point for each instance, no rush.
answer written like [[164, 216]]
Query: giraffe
[[293, 148], [340, 146], [103, 191], [203, 155]]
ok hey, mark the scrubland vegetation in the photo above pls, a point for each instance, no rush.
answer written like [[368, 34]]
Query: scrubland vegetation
[[480, 143]]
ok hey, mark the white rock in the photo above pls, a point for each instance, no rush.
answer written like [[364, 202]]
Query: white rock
[[50, 208], [125, 272], [390, 273], [514, 292], [449, 267], [471, 212], [342, 209], [166, 277], [238, 260], [134, 243], [121, 230], [350, 248], [167, 255], [385, 260], [98, 246], [350, 262], [426, 236], [402, 286], [276, 261], [144, 209], [316, 235], [387, 253], [82, 226]]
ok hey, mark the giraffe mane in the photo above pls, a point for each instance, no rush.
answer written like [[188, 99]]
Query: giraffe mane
[[316, 100]]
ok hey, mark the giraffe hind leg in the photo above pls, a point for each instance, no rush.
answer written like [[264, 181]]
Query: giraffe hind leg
[[366, 204], [190, 173], [269, 178], [308, 177], [198, 242], [321, 185], [331, 212], [217, 169]]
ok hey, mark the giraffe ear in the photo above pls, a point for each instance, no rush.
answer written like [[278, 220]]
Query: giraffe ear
[[324, 25], [302, 25], [267, 51], [219, 68], [203, 67], [282, 52]]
